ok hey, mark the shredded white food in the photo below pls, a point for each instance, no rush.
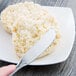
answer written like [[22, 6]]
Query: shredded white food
[[27, 22]]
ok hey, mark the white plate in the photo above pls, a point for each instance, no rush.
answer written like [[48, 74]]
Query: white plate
[[65, 18]]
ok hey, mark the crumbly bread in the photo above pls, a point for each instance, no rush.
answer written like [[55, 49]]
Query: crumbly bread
[[28, 22]]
